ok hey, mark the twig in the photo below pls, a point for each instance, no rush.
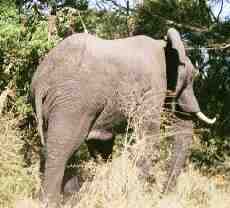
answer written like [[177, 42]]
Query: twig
[[82, 22]]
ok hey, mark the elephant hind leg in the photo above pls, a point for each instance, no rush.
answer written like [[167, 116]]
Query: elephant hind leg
[[66, 131], [99, 142]]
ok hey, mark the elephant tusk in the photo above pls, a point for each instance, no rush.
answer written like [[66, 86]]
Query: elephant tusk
[[204, 118]]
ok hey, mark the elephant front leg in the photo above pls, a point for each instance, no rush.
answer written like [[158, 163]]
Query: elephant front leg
[[65, 134], [180, 151], [149, 135]]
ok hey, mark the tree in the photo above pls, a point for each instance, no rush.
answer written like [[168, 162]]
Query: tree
[[207, 40]]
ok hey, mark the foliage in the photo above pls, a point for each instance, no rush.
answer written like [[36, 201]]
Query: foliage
[[156, 16], [214, 96], [23, 42], [108, 25]]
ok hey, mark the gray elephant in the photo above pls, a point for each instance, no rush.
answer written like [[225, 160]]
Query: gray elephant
[[84, 86]]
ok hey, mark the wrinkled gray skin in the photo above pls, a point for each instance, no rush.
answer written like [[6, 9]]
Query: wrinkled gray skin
[[85, 85]]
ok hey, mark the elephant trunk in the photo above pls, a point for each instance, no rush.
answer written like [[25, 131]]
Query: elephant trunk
[[204, 118]]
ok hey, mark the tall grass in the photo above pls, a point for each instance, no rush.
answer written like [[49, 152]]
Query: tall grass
[[16, 181], [115, 184], [118, 184]]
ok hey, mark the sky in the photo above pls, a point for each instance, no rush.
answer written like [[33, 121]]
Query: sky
[[226, 9]]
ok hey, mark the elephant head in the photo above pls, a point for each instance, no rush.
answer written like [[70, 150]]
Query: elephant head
[[180, 84]]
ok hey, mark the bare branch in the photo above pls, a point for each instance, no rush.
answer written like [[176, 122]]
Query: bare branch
[[115, 3], [212, 14], [101, 6], [179, 25], [190, 27], [211, 47], [221, 9]]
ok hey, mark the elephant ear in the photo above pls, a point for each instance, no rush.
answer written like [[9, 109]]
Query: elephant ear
[[175, 62], [176, 43]]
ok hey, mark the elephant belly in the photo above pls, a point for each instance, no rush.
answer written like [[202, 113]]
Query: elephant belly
[[111, 121]]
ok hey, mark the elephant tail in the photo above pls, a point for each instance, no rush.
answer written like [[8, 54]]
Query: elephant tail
[[39, 95]]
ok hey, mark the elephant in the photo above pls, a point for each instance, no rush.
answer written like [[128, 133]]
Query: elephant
[[84, 86]]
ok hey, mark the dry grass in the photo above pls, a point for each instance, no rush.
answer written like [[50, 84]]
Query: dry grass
[[16, 181], [115, 184]]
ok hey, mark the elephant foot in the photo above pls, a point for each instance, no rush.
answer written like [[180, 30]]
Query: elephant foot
[[177, 162], [170, 185]]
